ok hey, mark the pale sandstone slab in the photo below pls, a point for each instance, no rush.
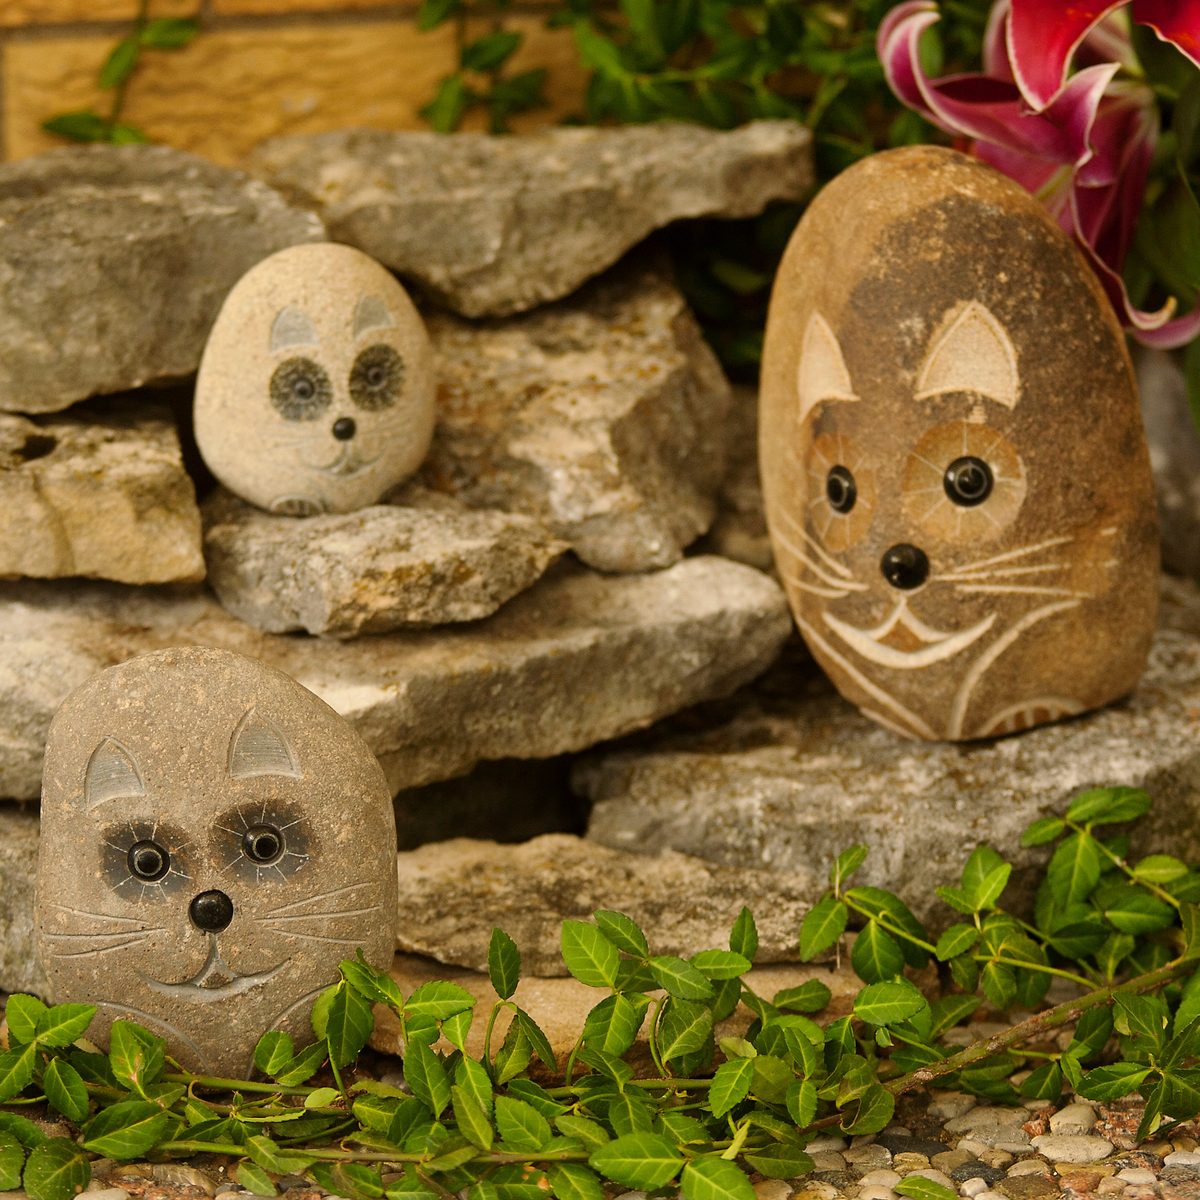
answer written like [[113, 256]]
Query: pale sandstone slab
[[559, 1005], [103, 495], [372, 571], [576, 659], [452, 895], [740, 530], [602, 415], [115, 260], [491, 226], [797, 775]]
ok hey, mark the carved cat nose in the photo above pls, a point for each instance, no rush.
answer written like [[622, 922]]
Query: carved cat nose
[[905, 566], [344, 429], [211, 911]]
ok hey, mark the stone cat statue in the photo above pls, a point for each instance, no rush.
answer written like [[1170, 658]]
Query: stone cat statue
[[215, 840], [957, 484]]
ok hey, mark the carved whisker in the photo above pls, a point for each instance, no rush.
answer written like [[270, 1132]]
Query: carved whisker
[[92, 937], [975, 576], [311, 937], [843, 585], [96, 953], [1019, 553], [815, 589], [287, 908], [323, 916], [82, 912], [833, 564], [1000, 589]]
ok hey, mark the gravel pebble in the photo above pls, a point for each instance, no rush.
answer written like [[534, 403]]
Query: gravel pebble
[[949, 1106], [1110, 1186], [773, 1189], [1182, 1158], [874, 1191], [948, 1160], [819, 1145], [827, 1160], [1137, 1175], [991, 1196], [1064, 1148], [106, 1193], [887, 1179], [972, 1187], [1029, 1166], [936, 1176], [986, 1118], [974, 1169], [907, 1163], [973, 1147], [1073, 1119]]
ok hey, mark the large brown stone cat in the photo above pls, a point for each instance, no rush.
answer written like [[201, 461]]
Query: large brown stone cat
[[957, 484]]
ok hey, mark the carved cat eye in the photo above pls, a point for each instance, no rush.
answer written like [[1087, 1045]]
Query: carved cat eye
[[148, 861], [376, 378], [300, 389], [840, 489], [968, 481], [262, 844]]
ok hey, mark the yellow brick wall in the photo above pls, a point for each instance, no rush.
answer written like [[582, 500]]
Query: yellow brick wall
[[258, 69]]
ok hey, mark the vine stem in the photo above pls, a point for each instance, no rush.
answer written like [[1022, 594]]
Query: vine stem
[[139, 24]]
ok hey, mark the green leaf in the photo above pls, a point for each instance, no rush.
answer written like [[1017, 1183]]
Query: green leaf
[[949, 1010], [714, 1178], [356, 1180], [589, 1132], [888, 1003], [349, 1025], [304, 1066], [801, 1101], [473, 1079], [685, 1027], [811, 996], [439, 999], [589, 955], [515, 1054], [743, 938], [23, 1014], [425, 1074], [1046, 1083], [280, 1160], [125, 1130], [730, 1085], [574, 1181], [720, 964], [12, 1159], [622, 932], [982, 862], [846, 864], [521, 1125], [956, 898], [965, 972], [168, 33], [784, 1160], [80, 126], [875, 1111], [884, 905], [1142, 1017], [958, 939], [999, 985], [57, 1169], [65, 1091], [1043, 831], [255, 1179], [373, 1112], [1108, 1083], [273, 1052], [537, 1096], [452, 99], [1074, 869], [679, 979], [1160, 868], [491, 51], [23, 1129], [772, 1076], [875, 956], [538, 1041], [1189, 1003], [1189, 916], [629, 1113], [1108, 806], [504, 963], [136, 1055], [1115, 950], [411, 1114], [434, 12], [822, 926], [472, 1120], [126, 135], [16, 1070], [638, 1160], [988, 891], [917, 1187], [1138, 912], [612, 1026], [120, 63], [456, 1028]]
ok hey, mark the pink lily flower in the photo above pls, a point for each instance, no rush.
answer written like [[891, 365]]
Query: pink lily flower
[[1082, 143]]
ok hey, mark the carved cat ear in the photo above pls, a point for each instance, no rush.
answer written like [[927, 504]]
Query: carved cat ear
[[111, 775], [371, 313], [292, 328], [258, 748], [974, 355], [822, 373]]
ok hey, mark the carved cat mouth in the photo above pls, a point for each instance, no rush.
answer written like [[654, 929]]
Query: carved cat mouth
[[938, 645], [348, 464], [214, 981]]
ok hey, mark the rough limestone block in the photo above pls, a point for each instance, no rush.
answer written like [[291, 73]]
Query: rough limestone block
[[102, 495], [789, 782], [214, 841], [491, 225], [602, 415], [19, 968], [454, 893], [372, 571], [963, 560], [114, 261], [740, 530], [577, 658]]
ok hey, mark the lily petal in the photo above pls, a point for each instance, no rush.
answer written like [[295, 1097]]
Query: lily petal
[[995, 43], [1042, 37], [1175, 21]]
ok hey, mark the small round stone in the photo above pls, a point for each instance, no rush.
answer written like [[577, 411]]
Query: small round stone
[[887, 1179], [874, 1191], [972, 1187], [1137, 1175], [974, 1169], [1064, 1148]]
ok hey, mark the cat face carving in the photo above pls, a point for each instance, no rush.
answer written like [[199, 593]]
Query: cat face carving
[[316, 390], [215, 840], [958, 489]]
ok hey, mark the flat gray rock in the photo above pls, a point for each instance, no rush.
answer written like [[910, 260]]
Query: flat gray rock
[[495, 225], [453, 894], [371, 571], [19, 969], [797, 775], [1174, 456], [603, 416], [114, 261], [99, 494], [576, 659]]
